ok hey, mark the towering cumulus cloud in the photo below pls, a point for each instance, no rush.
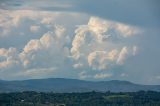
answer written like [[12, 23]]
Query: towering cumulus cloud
[[43, 43], [99, 44], [47, 51]]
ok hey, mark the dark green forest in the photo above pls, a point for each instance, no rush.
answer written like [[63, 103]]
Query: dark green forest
[[31, 98]]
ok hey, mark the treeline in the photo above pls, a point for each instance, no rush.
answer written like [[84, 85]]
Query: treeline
[[30, 98]]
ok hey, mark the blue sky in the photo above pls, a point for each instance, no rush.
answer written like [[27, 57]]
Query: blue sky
[[87, 39]]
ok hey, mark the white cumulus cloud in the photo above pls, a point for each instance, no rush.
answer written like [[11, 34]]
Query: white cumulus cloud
[[94, 44], [47, 51], [34, 28], [100, 60], [102, 76], [46, 40], [8, 58]]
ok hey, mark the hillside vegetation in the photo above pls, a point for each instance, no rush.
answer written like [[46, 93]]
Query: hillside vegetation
[[141, 98]]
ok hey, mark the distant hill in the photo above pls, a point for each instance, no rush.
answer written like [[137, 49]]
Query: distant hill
[[72, 85]]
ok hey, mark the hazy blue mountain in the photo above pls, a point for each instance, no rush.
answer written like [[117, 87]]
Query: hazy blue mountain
[[72, 85]]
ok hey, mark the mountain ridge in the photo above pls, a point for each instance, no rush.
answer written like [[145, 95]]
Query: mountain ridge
[[72, 85]]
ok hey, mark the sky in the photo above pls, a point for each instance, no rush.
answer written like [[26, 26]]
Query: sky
[[96, 40]]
